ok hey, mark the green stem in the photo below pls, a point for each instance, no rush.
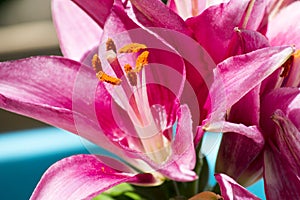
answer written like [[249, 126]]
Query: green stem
[[216, 189], [198, 167], [176, 188]]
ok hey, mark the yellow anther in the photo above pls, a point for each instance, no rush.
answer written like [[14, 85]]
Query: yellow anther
[[127, 68], [141, 61], [132, 48], [96, 63], [131, 75], [102, 76], [110, 45]]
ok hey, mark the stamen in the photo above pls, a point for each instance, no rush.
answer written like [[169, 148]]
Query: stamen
[[96, 63], [132, 48], [111, 52], [131, 75], [102, 76], [110, 45], [141, 61], [127, 68]]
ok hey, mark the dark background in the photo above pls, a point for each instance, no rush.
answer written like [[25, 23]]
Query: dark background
[[14, 16]]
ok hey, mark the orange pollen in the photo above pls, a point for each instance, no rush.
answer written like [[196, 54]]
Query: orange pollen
[[141, 61], [127, 68], [132, 48], [96, 63], [102, 76], [110, 45], [131, 75]]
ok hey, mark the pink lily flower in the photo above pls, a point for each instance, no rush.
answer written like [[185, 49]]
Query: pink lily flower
[[231, 190], [120, 112], [260, 143]]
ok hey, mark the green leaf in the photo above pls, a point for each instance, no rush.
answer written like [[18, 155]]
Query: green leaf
[[123, 191], [119, 189], [103, 197], [133, 196]]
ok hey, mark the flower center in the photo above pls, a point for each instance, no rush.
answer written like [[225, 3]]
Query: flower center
[[128, 88]]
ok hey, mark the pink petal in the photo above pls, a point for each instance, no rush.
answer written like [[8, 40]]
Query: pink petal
[[235, 78], [77, 32], [275, 6], [41, 88], [247, 41], [198, 69], [240, 146], [98, 10], [249, 104], [183, 159], [231, 190], [285, 27], [285, 99], [179, 166], [156, 14], [253, 173], [257, 15], [81, 177], [57, 91], [251, 132], [293, 111], [214, 27], [182, 8], [280, 181], [287, 140], [293, 79], [186, 9]]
